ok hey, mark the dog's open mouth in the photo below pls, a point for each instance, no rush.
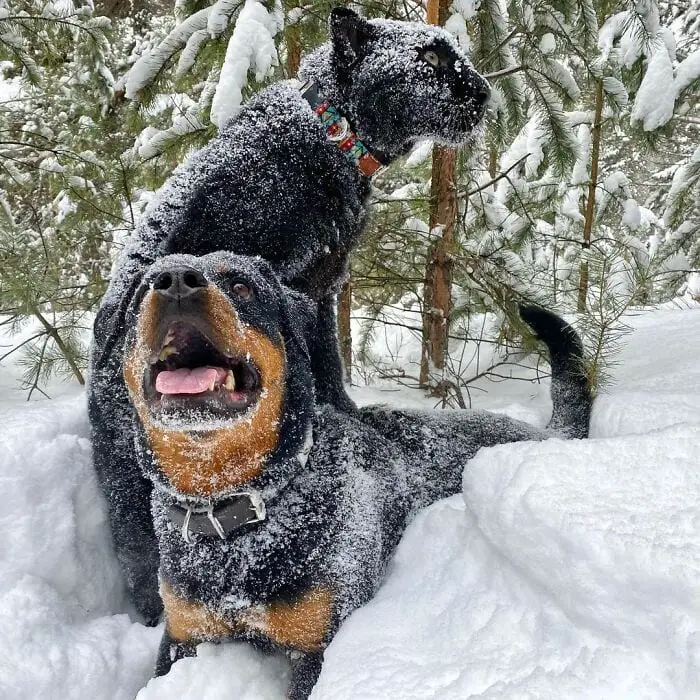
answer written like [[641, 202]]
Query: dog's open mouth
[[189, 378]]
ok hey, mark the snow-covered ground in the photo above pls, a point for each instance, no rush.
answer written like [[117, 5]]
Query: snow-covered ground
[[565, 570]]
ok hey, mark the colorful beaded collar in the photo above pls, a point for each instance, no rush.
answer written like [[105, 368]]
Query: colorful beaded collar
[[339, 132]]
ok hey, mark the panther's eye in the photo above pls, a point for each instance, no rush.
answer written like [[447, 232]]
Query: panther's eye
[[432, 58], [242, 290]]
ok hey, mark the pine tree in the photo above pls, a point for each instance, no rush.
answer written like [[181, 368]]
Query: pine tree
[[212, 59], [556, 204], [62, 192], [544, 213], [679, 174]]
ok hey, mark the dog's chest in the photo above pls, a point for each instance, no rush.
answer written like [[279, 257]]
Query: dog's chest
[[257, 563], [268, 582], [299, 621]]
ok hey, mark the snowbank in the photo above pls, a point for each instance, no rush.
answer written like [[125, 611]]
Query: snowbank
[[565, 570], [572, 572], [60, 585]]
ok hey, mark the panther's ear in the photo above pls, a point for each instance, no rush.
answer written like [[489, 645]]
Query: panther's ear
[[348, 32]]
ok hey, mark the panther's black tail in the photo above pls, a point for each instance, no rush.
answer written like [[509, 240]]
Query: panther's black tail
[[571, 393]]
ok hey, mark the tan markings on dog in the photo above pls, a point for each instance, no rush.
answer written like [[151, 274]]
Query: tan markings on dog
[[301, 624], [190, 621], [211, 461]]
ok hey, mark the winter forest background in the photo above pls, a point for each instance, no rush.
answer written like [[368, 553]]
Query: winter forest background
[[582, 193]]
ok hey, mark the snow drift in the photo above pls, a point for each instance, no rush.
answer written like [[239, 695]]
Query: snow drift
[[567, 569]]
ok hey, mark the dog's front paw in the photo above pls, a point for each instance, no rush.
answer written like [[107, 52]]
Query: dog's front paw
[[305, 671], [149, 605], [171, 651]]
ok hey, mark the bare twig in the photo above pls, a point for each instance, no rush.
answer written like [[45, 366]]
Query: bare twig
[[52, 332]]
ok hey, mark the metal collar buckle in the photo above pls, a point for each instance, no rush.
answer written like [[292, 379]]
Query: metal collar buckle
[[343, 128], [237, 510]]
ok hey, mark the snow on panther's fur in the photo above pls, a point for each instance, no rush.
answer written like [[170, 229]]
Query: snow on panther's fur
[[272, 184]]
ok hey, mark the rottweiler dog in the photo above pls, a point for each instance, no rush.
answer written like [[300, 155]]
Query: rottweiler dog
[[288, 179], [275, 516]]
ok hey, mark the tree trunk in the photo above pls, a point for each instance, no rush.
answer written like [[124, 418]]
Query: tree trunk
[[425, 355], [493, 163], [437, 297], [435, 12], [590, 200], [344, 333], [292, 42]]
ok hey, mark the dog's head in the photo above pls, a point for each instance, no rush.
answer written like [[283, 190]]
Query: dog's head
[[398, 81], [218, 371]]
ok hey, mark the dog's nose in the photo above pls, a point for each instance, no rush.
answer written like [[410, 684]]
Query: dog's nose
[[179, 282]]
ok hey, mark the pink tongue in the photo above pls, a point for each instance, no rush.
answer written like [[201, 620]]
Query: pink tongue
[[189, 381]]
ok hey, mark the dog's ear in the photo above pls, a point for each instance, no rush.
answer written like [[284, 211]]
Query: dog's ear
[[348, 32], [299, 314]]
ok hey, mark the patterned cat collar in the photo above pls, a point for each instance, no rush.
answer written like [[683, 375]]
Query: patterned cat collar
[[339, 132]]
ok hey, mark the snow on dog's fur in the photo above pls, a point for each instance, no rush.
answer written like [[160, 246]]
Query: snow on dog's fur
[[272, 184], [334, 491]]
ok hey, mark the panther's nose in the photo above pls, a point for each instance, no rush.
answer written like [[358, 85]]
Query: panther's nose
[[179, 282], [483, 93], [473, 88]]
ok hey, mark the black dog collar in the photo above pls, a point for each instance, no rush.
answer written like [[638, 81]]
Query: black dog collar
[[339, 132], [218, 520]]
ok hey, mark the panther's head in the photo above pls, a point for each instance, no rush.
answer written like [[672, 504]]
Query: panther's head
[[218, 371], [398, 82]]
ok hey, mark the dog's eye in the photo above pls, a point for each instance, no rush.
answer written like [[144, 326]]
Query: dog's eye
[[242, 290], [432, 58]]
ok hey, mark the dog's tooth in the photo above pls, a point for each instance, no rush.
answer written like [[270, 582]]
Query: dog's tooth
[[169, 337], [166, 352], [230, 383]]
